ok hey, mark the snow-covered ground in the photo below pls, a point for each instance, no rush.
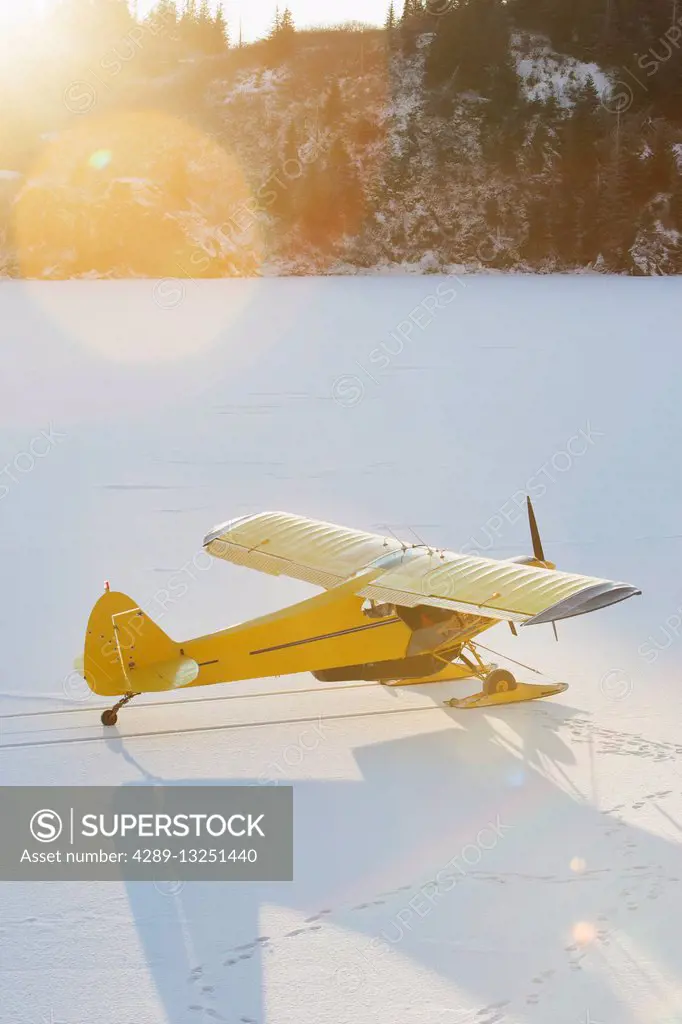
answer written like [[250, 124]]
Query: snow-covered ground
[[545, 73], [165, 408]]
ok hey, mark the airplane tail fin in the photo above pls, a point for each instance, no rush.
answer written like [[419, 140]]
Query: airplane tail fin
[[127, 652]]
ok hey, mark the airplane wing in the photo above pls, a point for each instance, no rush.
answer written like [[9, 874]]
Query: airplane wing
[[493, 589], [304, 549], [327, 555]]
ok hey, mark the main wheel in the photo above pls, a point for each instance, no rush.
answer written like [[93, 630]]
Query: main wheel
[[499, 681], [109, 717]]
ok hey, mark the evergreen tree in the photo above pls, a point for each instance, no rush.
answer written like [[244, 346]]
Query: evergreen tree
[[580, 137], [315, 204], [537, 244], [189, 26], [221, 37], [536, 153], [676, 211], [503, 85], [333, 105], [332, 198], [408, 27], [282, 36], [346, 190], [660, 165], [204, 30], [287, 27], [471, 49], [617, 227], [287, 203], [391, 26], [163, 23], [163, 18], [287, 35]]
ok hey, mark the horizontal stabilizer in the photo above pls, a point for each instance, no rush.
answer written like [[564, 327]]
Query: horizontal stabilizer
[[165, 675]]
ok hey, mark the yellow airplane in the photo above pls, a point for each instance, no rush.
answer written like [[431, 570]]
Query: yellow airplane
[[389, 612]]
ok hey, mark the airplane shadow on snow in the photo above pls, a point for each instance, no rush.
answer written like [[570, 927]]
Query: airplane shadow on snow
[[513, 930]]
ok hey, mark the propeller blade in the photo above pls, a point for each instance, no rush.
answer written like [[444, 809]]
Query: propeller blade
[[535, 533]]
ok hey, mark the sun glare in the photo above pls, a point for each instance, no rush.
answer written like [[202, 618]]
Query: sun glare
[[15, 14], [133, 185]]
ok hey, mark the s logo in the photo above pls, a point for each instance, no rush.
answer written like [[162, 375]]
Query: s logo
[[46, 826]]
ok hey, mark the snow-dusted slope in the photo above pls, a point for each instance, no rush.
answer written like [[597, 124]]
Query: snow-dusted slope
[[560, 821], [343, 160], [546, 73]]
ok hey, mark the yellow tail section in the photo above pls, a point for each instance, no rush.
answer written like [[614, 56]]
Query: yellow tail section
[[126, 652]]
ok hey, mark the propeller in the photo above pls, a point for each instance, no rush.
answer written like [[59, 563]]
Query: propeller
[[534, 532], [537, 558], [538, 551]]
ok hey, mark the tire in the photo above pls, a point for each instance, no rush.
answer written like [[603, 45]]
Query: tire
[[109, 718], [499, 681]]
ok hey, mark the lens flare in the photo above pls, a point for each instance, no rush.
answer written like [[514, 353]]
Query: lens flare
[[100, 159], [584, 932], [139, 195]]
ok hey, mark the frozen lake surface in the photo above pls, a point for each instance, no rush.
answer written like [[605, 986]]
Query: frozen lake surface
[[136, 416]]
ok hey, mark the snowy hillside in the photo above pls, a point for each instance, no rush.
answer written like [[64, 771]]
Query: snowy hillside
[[553, 828], [546, 73], [345, 156]]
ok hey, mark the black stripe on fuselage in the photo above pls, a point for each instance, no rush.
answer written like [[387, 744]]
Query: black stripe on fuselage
[[326, 636]]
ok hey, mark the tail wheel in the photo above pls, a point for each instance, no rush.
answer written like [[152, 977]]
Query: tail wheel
[[109, 718], [499, 681]]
